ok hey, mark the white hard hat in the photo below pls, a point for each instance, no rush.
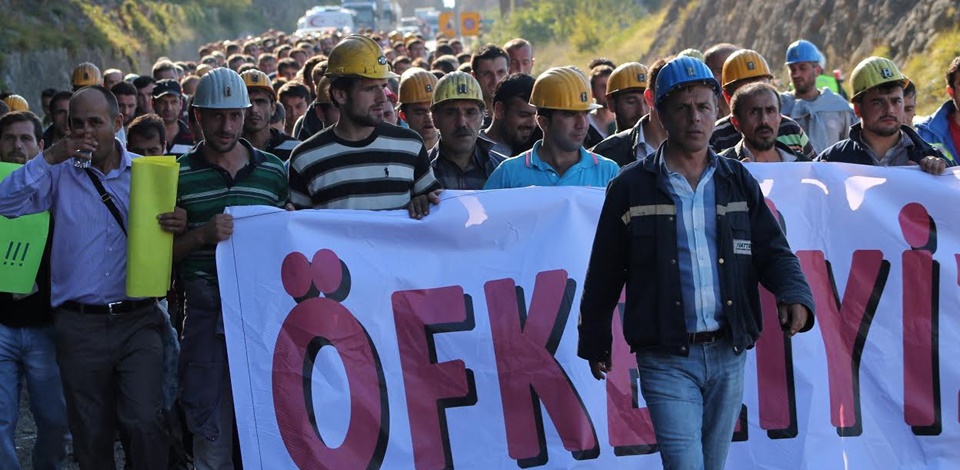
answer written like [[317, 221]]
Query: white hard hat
[[221, 88]]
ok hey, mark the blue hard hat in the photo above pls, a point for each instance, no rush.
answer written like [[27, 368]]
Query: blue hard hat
[[803, 51], [683, 71]]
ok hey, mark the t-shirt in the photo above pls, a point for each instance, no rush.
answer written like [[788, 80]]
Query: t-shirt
[[382, 172]]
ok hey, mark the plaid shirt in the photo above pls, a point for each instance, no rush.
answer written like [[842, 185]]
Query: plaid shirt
[[451, 176]]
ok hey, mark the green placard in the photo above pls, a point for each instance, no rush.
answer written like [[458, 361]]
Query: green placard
[[22, 241]]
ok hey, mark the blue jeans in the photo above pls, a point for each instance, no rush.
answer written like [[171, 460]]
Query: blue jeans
[[27, 355], [694, 403]]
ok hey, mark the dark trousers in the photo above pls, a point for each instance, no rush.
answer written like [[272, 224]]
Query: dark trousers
[[112, 371]]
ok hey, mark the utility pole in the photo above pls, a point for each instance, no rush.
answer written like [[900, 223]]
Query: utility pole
[[456, 16]]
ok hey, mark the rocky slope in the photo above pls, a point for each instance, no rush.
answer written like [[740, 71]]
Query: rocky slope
[[919, 35]]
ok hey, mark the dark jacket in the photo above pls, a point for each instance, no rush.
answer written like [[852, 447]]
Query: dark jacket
[[485, 160], [736, 152], [622, 146], [636, 244], [852, 150], [308, 124]]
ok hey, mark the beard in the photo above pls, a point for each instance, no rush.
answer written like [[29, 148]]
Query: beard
[[219, 147], [14, 157]]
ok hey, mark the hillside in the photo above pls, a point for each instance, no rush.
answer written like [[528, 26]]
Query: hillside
[[43, 40], [921, 36]]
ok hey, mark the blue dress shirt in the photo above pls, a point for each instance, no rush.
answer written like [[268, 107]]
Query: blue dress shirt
[[89, 250], [697, 247]]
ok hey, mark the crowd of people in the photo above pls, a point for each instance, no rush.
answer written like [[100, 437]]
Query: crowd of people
[[379, 122]]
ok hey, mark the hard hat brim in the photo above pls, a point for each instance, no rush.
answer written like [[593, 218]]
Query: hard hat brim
[[903, 82]]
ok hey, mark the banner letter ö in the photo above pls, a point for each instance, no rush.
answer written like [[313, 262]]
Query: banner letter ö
[[314, 323]]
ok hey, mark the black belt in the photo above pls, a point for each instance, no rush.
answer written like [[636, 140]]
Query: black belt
[[113, 308], [705, 337]]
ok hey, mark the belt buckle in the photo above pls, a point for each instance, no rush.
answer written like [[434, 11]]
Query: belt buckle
[[113, 304]]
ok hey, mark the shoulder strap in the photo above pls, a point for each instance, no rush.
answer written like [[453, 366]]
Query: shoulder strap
[[107, 200]]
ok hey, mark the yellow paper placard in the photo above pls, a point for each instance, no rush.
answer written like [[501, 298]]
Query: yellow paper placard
[[153, 191]]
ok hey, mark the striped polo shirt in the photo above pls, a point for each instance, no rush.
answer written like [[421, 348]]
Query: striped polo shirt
[[204, 190], [381, 172]]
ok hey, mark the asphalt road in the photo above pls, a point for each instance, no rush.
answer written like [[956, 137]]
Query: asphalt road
[[26, 435]]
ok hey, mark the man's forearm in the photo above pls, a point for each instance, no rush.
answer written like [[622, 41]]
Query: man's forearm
[[185, 244]]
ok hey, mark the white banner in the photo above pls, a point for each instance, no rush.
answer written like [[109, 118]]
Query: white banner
[[369, 340]]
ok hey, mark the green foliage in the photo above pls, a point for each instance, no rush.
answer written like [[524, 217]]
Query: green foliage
[[927, 70], [581, 23]]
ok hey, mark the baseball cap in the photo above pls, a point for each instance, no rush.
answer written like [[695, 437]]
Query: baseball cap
[[167, 87]]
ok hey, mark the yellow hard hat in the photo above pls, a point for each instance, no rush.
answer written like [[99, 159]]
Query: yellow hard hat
[[627, 76], [323, 91], [457, 86], [875, 71], [255, 79], [86, 74], [358, 56], [562, 88], [744, 64], [416, 86], [203, 69], [16, 103]]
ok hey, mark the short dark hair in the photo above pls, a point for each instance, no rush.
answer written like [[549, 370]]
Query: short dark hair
[[143, 81], [444, 49], [546, 113], [62, 96], [113, 108], [124, 89], [752, 89], [517, 43], [445, 63], [308, 67], [294, 90], [191, 116], [516, 85], [597, 61], [910, 89], [148, 126], [9, 119], [654, 71], [464, 57], [346, 84], [162, 66], [287, 62], [279, 114], [598, 72], [488, 52], [266, 56], [48, 93], [953, 71]]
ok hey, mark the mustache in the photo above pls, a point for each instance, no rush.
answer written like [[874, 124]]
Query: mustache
[[763, 128], [15, 157], [462, 132]]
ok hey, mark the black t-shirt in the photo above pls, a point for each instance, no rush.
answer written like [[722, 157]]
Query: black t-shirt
[[18, 311]]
